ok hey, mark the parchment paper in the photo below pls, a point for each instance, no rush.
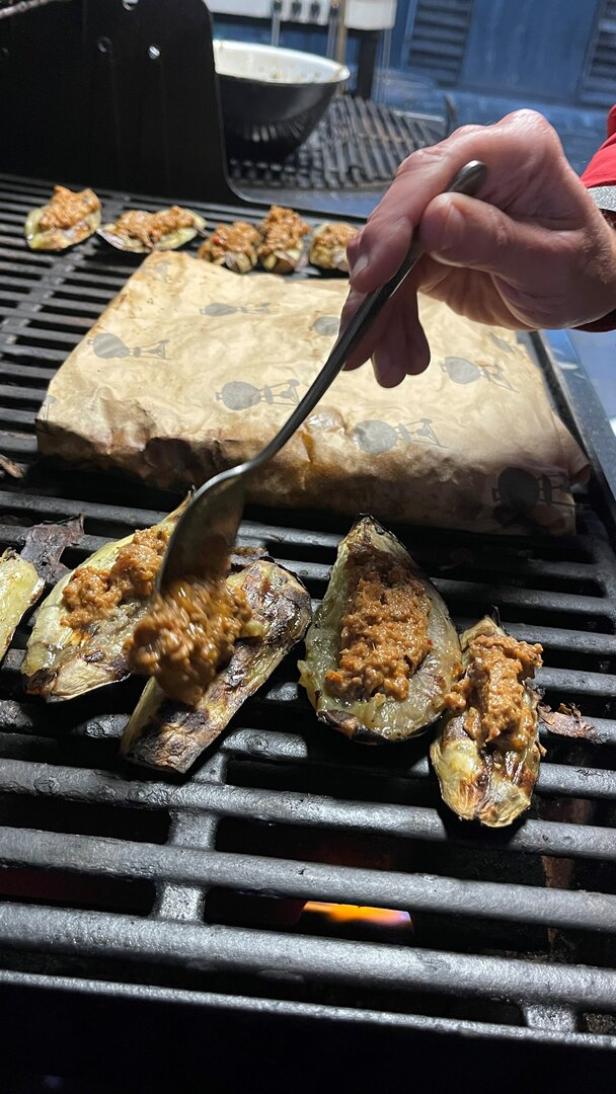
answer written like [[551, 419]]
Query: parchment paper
[[193, 368]]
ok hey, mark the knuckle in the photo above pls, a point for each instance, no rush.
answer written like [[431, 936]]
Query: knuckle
[[420, 158], [533, 122]]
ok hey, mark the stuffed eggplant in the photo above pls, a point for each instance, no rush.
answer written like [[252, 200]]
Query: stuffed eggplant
[[169, 736], [68, 218], [232, 245], [78, 638], [282, 245], [486, 753], [382, 652], [140, 232], [328, 250]]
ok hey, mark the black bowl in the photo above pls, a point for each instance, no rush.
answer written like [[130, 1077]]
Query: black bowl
[[272, 98]]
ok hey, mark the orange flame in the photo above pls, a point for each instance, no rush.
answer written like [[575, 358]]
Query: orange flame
[[354, 913]]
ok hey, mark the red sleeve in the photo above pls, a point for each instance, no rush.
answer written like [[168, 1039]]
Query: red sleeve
[[601, 171]]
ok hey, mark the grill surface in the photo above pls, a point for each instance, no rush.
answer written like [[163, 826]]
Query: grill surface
[[113, 881], [358, 144]]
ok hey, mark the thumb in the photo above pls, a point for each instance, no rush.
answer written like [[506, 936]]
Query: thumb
[[462, 231]]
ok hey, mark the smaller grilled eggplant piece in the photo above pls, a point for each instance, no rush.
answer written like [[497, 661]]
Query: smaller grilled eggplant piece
[[232, 245], [381, 717], [23, 576], [328, 250], [62, 662], [282, 246], [169, 736], [138, 233], [485, 774], [44, 230]]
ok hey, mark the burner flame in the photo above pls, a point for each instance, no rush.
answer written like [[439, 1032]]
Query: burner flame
[[355, 913]]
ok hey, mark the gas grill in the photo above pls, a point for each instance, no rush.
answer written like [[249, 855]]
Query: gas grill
[[136, 913]]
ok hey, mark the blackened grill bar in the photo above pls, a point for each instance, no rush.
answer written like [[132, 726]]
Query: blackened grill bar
[[260, 820], [310, 881]]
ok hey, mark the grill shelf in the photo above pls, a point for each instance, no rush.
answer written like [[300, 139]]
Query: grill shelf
[[116, 884], [358, 144]]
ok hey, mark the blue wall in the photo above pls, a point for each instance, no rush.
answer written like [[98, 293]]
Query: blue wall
[[535, 47]]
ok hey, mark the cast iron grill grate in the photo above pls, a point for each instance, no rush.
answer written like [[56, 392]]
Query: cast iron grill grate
[[358, 144], [112, 880]]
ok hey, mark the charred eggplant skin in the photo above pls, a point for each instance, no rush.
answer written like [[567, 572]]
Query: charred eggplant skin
[[380, 718], [169, 737], [477, 782], [62, 664]]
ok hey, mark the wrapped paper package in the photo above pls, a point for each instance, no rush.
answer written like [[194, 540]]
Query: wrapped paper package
[[192, 369]]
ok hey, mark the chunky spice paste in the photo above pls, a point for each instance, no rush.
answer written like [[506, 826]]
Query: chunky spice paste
[[149, 228], [492, 691], [67, 208], [237, 238], [189, 634], [384, 629], [91, 594], [282, 230], [330, 244]]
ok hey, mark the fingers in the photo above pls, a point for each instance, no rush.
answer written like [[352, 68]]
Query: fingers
[[396, 341], [526, 167], [461, 231]]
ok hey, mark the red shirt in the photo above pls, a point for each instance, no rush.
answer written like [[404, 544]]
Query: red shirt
[[601, 171]]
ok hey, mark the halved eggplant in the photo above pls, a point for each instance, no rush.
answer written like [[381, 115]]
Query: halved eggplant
[[53, 236], [140, 232], [63, 661], [380, 716], [328, 249], [169, 736], [486, 753]]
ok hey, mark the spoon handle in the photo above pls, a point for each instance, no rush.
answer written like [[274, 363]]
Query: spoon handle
[[467, 181]]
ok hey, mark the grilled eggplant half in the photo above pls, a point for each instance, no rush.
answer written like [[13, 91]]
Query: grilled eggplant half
[[486, 753], [77, 641], [68, 218], [382, 652], [140, 232], [169, 736], [328, 250], [232, 245]]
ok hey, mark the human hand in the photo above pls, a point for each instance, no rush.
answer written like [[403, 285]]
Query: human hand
[[532, 250]]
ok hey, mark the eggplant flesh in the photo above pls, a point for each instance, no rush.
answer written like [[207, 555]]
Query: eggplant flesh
[[61, 662], [169, 736], [379, 718], [59, 239], [170, 242], [493, 785]]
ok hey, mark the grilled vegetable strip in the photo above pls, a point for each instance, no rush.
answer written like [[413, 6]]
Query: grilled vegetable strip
[[23, 577], [169, 736], [283, 233], [329, 245], [139, 232], [68, 218], [77, 642], [486, 754], [382, 652], [232, 245]]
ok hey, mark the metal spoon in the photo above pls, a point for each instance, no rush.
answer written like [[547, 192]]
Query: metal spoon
[[209, 525]]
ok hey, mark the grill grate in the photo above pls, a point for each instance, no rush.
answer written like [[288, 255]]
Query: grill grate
[[112, 880], [358, 144]]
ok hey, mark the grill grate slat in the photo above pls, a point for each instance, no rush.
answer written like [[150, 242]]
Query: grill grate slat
[[282, 810]]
